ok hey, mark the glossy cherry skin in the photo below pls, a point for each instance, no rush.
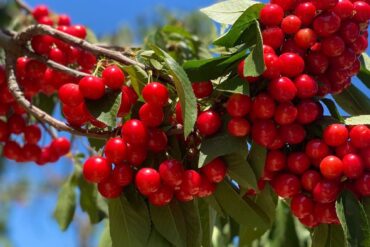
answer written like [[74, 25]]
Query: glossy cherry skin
[[282, 89], [162, 196], [238, 127], [264, 132], [135, 132], [273, 36], [305, 38], [286, 185], [64, 20], [271, 15], [363, 184], [16, 124], [155, 93], [96, 169], [317, 63], [202, 89], [353, 166], [92, 87], [362, 11], [70, 94], [61, 145], [325, 213], [182, 196], [335, 135], [293, 64], [191, 181], [365, 155], [349, 31], [331, 167], [317, 149], [360, 136], [344, 149], [122, 174], [273, 66], [310, 179], [109, 189], [285, 4], [326, 24], [215, 171], [308, 111], [116, 150], [301, 206], [275, 161], [171, 172], [31, 152], [206, 188], [293, 133], [286, 113], [326, 191], [291, 24], [4, 131], [298, 162], [309, 221], [151, 115], [324, 4], [238, 105], [307, 86], [157, 141], [113, 77], [306, 12], [40, 11], [208, 123], [263, 106], [32, 134], [333, 46], [136, 155], [147, 181]]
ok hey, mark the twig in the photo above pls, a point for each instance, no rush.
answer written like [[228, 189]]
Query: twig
[[24, 6], [47, 129]]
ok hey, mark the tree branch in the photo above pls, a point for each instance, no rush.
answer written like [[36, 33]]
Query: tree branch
[[24, 6]]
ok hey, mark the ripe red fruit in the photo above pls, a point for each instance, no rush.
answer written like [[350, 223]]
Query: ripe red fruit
[[238, 105], [136, 155], [275, 161], [335, 135], [271, 15], [64, 20], [135, 132], [122, 174], [325, 213], [349, 31], [317, 149], [238, 127], [61, 145], [57, 55], [171, 172], [344, 149], [286, 185], [178, 113], [298, 162], [362, 184], [183, 196], [285, 4], [317, 63], [326, 191], [362, 11], [273, 65], [12, 150], [32, 134], [70, 94], [293, 133], [306, 12], [87, 61], [40, 11], [116, 150], [16, 124], [92, 87], [282, 89], [326, 24], [306, 85], [310, 179], [344, 9], [308, 111], [215, 171], [293, 64], [331, 167], [161, 197], [78, 31], [151, 115], [155, 93], [208, 123], [324, 4], [273, 36], [250, 79], [291, 24], [96, 169], [301, 206], [31, 152], [157, 141], [264, 132], [360, 136], [113, 77], [76, 116], [263, 106], [286, 113], [309, 221], [202, 89], [365, 155], [4, 131], [109, 189], [353, 166], [191, 181], [333, 46], [206, 188], [147, 181], [305, 38]]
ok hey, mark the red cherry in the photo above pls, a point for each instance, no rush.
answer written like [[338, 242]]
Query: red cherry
[[31, 152], [113, 77], [333, 46], [359, 45], [161, 197], [96, 169], [291, 24], [122, 174], [344, 9], [317, 63], [344, 149], [324, 4], [178, 113], [273, 36], [70, 94], [286, 185], [182, 196], [326, 191], [293, 133], [191, 181], [64, 20], [306, 86], [40, 11], [202, 89], [32, 134], [16, 124], [282, 89], [135, 132], [34, 70], [306, 12], [208, 123], [310, 179], [76, 116], [353, 166], [206, 188], [275, 161], [250, 79], [264, 132], [273, 65], [349, 31], [271, 15], [363, 184], [109, 189], [285, 4], [147, 181], [298, 162], [57, 55], [293, 64], [61, 145], [309, 221], [238, 127], [317, 149], [41, 44], [345, 60], [87, 61], [331, 167], [45, 20], [157, 141], [326, 24], [263, 106], [92, 87], [155, 93], [365, 155], [78, 31], [305, 38], [308, 111], [171, 172], [4, 131], [362, 11], [238, 105], [116, 150], [286, 113], [215, 171], [335, 135], [151, 115], [360, 136], [301, 206], [136, 155], [325, 213]]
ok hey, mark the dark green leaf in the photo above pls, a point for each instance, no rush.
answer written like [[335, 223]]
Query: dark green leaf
[[184, 90], [328, 236], [267, 200], [240, 170], [234, 85], [220, 145], [97, 144], [207, 219], [105, 240], [211, 200], [256, 159], [254, 64], [358, 120], [330, 104], [353, 219], [241, 32], [45, 103], [353, 101], [157, 240], [105, 109], [194, 232], [364, 74], [138, 77], [129, 220]]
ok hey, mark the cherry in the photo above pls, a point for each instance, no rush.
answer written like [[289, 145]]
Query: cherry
[[277, 143], [365, 155], [16, 124], [333, 46], [359, 45], [202, 89], [349, 31], [305, 12], [92, 87], [78, 31], [293, 64], [298, 162], [310, 179], [116, 150], [360, 136], [305, 38], [4, 131], [324, 4], [136, 155], [161, 197], [301, 206], [238, 127], [353, 166], [45, 20], [57, 55], [317, 63], [41, 44], [208, 123], [31, 152], [344, 9], [250, 79], [286, 185], [155, 93], [238, 105], [264, 132], [362, 184], [122, 174], [157, 141], [40, 11], [306, 86], [317, 149], [135, 132], [182, 196], [325, 213], [151, 115], [331, 167], [64, 20], [147, 181], [206, 188], [346, 148], [273, 65], [76, 116], [326, 191], [171, 172], [263, 106], [109, 189], [282, 89], [113, 77], [70, 94], [61, 145], [293, 133], [309, 221], [286, 113], [215, 171], [271, 15], [191, 181], [32, 134], [362, 11], [273, 36], [275, 161], [285, 4], [335, 135], [308, 111], [326, 24], [87, 61], [291, 24], [34, 70], [96, 169]]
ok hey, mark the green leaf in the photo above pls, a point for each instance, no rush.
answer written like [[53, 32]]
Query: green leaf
[[242, 30], [97, 144], [243, 212], [138, 77], [211, 201], [240, 170], [105, 240], [220, 145], [257, 158], [358, 120], [66, 204], [227, 12], [254, 64], [328, 236], [353, 219], [267, 200], [353, 101], [364, 73], [207, 219], [156, 240], [129, 220], [169, 221], [234, 85], [184, 90], [194, 232], [45, 103], [330, 104], [212, 68], [105, 109]]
